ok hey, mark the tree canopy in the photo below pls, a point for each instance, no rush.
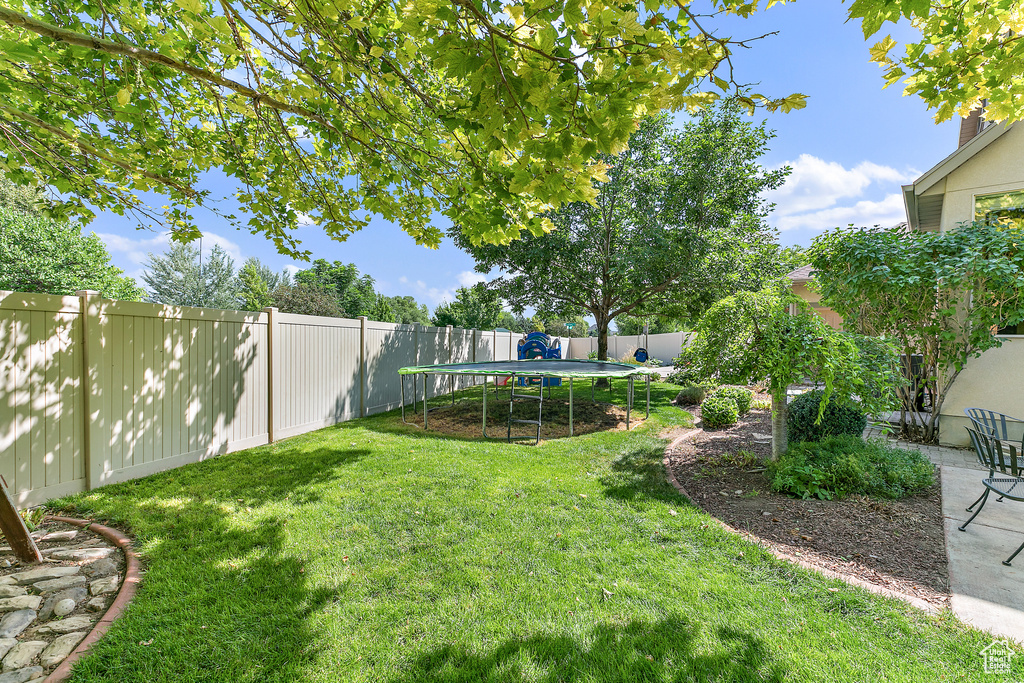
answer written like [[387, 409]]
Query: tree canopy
[[678, 224], [475, 307], [185, 277], [42, 255]]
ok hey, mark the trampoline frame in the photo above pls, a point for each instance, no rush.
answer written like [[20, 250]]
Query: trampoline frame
[[512, 377]]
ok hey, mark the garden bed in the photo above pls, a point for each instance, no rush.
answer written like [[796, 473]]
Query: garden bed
[[896, 544]]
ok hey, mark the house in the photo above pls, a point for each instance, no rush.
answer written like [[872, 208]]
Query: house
[[983, 178], [800, 279]]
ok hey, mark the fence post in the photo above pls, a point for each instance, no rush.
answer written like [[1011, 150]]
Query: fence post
[[96, 442], [272, 365], [362, 366]]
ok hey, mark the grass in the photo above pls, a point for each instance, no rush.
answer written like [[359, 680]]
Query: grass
[[372, 551]]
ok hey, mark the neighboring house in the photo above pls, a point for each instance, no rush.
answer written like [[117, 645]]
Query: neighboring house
[[800, 279], [982, 179]]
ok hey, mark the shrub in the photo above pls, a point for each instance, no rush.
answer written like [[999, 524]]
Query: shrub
[[761, 404], [692, 395], [840, 417], [842, 465], [740, 395], [718, 411]]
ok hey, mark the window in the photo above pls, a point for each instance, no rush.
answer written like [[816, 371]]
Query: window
[[1003, 207]]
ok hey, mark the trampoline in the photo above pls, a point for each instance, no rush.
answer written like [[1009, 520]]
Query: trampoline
[[532, 369]]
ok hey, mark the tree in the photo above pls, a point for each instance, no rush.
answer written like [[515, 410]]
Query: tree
[[29, 198], [354, 293], [382, 310], [968, 53], [558, 326], [475, 307], [183, 277], [936, 295], [41, 255], [304, 299], [751, 338], [675, 225], [791, 258], [408, 312], [255, 284], [490, 114]]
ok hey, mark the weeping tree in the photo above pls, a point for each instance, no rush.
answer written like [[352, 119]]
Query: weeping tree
[[773, 338], [677, 223]]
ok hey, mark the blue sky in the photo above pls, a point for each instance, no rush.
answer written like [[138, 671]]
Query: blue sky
[[850, 149]]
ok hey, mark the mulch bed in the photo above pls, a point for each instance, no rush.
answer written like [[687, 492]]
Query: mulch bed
[[898, 545], [464, 418]]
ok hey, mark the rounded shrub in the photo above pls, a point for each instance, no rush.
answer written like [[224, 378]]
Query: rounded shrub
[[692, 395], [741, 395], [718, 411], [840, 417]]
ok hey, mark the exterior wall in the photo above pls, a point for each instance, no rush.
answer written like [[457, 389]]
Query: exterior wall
[[997, 168], [813, 298], [94, 392], [991, 381]]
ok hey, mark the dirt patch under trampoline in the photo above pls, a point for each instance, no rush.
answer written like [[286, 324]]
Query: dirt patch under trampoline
[[465, 418]]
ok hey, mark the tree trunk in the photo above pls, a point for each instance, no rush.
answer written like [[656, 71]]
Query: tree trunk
[[602, 344], [780, 409]]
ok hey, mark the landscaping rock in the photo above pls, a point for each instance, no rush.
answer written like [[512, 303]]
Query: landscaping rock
[[107, 584], [60, 536], [12, 591], [15, 622], [97, 604], [64, 608], [82, 554], [7, 581], [59, 584], [61, 648], [22, 675], [23, 654], [104, 567], [41, 574], [5, 646], [20, 602], [77, 594], [65, 625]]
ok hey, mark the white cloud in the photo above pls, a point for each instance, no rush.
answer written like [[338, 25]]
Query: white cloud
[[468, 278], [820, 194], [292, 269]]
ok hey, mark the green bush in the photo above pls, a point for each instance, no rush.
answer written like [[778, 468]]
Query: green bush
[[840, 417], [692, 395], [718, 411], [838, 466], [740, 395]]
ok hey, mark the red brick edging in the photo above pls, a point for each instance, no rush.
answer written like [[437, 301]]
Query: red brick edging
[[851, 580], [132, 577]]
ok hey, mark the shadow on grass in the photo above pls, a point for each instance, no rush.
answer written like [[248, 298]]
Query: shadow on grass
[[637, 651], [223, 586]]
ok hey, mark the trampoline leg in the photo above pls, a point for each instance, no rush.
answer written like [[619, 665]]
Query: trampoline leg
[[629, 400], [425, 401], [451, 386], [592, 399], [402, 378], [485, 406], [415, 393], [648, 415], [570, 406]]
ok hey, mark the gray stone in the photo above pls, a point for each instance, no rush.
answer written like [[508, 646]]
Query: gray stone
[[5, 646], [20, 602], [14, 623], [97, 604], [64, 608], [59, 584], [65, 625], [60, 648], [22, 675], [23, 654], [12, 591], [78, 594], [107, 584], [7, 581], [82, 554], [104, 567], [60, 536], [42, 574]]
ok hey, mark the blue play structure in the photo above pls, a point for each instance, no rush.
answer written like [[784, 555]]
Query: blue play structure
[[539, 345]]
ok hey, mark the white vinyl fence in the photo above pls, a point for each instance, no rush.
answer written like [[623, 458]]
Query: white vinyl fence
[[94, 391], [664, 347]]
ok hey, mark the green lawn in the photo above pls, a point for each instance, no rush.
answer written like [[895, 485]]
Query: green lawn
[[374, 552]]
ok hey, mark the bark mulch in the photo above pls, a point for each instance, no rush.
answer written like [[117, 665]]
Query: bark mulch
[[898, 545]]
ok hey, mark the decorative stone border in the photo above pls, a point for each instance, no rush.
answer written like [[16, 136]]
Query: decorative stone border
[[132, 577], [851, 580]]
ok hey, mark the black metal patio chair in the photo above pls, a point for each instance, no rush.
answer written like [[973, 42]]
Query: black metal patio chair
[[996, 425], [1003, 458]]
